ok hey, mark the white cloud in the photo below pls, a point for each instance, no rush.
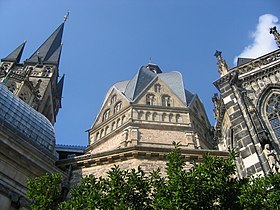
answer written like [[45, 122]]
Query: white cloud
[[263, 42]]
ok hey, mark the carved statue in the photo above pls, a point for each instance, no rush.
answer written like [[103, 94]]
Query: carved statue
[[272, 158], [217, 104]]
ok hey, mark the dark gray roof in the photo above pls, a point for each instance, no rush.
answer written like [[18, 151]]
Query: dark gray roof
[[139, 82], [145, 76], [70, 148], [49, 51], [22, 120], [16, 54], [241, 61]]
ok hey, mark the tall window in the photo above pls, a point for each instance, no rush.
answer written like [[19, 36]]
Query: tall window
[[118, 107], [166, 100], [106, 115], [150, 99], [157, 88], [272, 108], [113, 99]]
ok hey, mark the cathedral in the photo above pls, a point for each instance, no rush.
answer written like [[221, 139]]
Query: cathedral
[[138, 121]]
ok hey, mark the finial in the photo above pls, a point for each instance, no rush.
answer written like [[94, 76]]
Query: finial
[[66, 16], [274, 31], [222, 65]]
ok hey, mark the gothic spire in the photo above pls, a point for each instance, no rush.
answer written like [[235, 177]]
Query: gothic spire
[[16, 54], [50, 49], [222, 65], [276, 35]]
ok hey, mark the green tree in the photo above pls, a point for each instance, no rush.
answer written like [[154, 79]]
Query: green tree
[[44, 192], [211, 184]]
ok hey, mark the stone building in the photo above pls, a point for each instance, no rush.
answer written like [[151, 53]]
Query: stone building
[[30, 97], [138, 121], [247, 111]]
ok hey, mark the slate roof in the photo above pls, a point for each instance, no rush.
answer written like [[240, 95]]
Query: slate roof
[[241, 61], [16, 54], [50, 50], [19, 118], [133, 88]]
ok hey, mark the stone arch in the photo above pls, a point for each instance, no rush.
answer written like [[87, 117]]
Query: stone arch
[[268, 106]]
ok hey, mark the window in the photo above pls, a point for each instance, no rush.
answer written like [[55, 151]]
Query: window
[[157, 88], [163, 117], [106, 115], [165, 100], [272, 108], [178, 118], [118, 107], [140, 115], [113, 99], [154, 116], [148, 115], [150, 99], [170, 117]]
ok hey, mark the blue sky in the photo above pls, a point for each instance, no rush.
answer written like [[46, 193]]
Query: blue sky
[[106, 41]]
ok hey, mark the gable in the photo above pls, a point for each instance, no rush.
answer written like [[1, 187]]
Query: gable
[[114, 102], [155, 93]]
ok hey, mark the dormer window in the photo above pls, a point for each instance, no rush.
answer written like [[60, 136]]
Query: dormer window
[[150, 99], [106, 115], [166, 101]]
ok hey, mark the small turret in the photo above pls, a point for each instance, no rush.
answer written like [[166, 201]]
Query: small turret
[[222, 65], [276, 35]]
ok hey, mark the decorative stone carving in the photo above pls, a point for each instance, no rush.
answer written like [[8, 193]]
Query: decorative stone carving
[[274, 31], [222, 65], [272, 158]]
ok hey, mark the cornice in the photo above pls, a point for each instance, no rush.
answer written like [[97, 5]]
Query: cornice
[[135, 152]]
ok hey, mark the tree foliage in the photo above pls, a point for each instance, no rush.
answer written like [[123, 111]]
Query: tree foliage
[[208, 185], [44, 191]]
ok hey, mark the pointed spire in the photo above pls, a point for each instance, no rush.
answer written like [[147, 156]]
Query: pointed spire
[[222, 65], [50, 49], [60, 89], [16, 54], [54, 59], [276, 35]]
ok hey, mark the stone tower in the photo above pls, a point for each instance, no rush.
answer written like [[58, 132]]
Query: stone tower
[[35, 81], [247, 111], [138, 121]]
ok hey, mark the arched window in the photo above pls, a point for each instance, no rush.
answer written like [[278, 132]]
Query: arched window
[[148, 116], [163, 117], [166, 101], [178, 118], [272, 110], [123, 119], [118, 107], [97, 136], [106, 130], [113, 126], [140, 115], [150, 99], [157, 88], [170, 117], [106, 115], [113, 99], [154, 116]]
